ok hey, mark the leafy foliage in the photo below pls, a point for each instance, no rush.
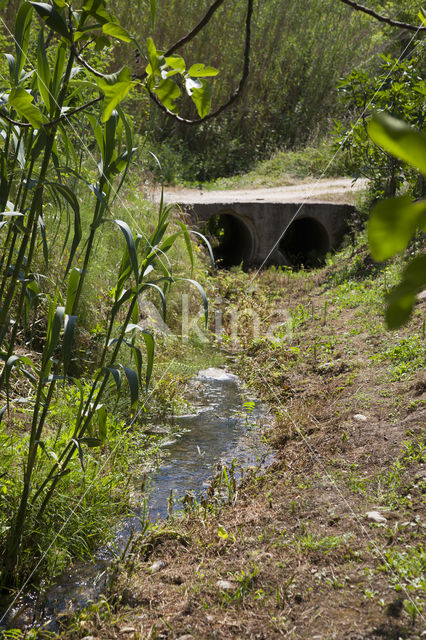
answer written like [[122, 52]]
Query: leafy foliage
[[48, 102], [399, 89], [393, 222]]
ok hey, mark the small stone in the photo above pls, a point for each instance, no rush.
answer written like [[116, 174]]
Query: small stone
[[157, 566], [359, 417], [422, 295], [128, 630], [375, 516], [186, 637], [225, 585]]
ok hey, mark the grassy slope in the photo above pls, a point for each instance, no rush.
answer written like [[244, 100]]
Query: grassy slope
[[302, 558]]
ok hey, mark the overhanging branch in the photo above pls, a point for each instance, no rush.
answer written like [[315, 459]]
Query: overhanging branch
[[234, 96], [381, 18]]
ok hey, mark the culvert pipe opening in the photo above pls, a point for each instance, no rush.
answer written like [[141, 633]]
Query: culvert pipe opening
[[231, 239], [305, 243]]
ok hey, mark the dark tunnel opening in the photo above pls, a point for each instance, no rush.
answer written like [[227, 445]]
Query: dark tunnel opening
[[305, 243], [231, 240]]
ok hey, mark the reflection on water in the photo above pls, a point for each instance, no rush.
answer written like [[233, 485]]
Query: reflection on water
[[224, 426]]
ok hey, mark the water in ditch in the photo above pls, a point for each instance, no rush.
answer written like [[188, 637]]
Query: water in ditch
[[224, 426]]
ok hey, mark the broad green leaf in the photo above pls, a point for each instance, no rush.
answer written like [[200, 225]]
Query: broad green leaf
[[42, 228], [22, 36], [116, 31], [60, 3], [187, 242], [153, 7], [176, 62], [399, 139], [68, 195], [131, 247], [401, 298], [115, 372], [391, 225], [167, 92], [22, 101], [156, 60], [101, 415], [90, 442], [199, 70], [202, 98], [52, 18], [101, 42], [59, 67], [149, 345], [43, 74], [115, 88], [12, 66], [132, 379], [73, 280], [68, 341], [53, 332]]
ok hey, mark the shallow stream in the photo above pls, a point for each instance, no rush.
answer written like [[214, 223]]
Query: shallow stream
[[224, 426]]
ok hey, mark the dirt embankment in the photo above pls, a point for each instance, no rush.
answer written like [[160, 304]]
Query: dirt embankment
[[328, 543]]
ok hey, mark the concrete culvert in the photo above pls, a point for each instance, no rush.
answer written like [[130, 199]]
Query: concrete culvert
[[305, 243], [231, 240]]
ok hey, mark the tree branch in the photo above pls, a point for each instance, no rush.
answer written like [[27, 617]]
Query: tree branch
[[378, 16], [234, 95], [51, 123], [191, 35]]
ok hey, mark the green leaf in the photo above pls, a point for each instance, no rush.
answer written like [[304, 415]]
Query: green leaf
[[149, 345], [68, 341], [73, 280], [199, 70], [116, 31], [167, 92], [101, 42], [391, 225], [203, 296], [53, 332], [115, 372], [91, 442], [52, 18], [399, 139], [208, 245], [22, 101], [187, 242], [44, 77], [401, 298], [202, 98], [132, 379], [42, 228], [176, 62], [156, 60], [115, 88], [153, 8], [22, 36], [131, 247], [101, 415], [59, 67], [72, 200]]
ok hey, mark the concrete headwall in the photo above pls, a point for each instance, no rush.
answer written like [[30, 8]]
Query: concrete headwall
[[259, 226]]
